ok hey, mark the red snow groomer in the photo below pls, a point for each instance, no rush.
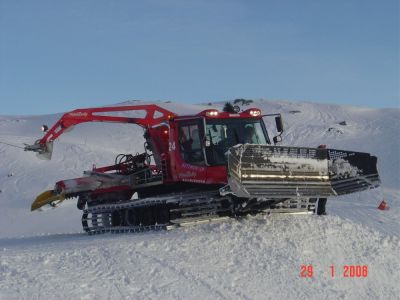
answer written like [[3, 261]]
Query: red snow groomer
[[200, 167]]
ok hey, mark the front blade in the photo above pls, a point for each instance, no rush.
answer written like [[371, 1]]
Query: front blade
[[264, 171], [352, 171]]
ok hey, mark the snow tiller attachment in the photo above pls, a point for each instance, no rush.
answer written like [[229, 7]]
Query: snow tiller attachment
[[287, 172]]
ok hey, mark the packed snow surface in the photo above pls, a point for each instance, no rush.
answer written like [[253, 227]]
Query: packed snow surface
[[44, 255]]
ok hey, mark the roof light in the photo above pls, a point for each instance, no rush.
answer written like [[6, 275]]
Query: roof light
[[255, 112], [212, 113], [209, 113]]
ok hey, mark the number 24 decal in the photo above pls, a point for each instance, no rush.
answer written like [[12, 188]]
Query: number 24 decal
[[172, 146]]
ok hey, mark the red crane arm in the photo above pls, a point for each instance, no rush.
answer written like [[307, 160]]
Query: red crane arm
[[150, 115], [154, 114]]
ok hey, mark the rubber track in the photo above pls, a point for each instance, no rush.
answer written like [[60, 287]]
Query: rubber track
[[175, 203], [181, 209]]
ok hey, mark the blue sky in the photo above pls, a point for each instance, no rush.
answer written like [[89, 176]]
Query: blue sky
[[61, 55]]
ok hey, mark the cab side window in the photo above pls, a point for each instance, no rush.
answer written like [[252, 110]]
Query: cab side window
[[190, 144]]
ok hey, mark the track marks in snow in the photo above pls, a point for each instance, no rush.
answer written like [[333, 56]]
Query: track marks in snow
[[255, 258], [216, 292]]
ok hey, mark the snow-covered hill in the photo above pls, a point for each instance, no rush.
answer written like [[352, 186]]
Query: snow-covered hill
[[44, 254]]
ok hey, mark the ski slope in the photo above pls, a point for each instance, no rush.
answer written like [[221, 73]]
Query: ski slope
[[44, 255]]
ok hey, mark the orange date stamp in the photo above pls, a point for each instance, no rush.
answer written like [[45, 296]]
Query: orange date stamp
[[349, 271]]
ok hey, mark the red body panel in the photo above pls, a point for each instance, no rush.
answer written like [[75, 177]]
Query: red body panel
[[162, 138]]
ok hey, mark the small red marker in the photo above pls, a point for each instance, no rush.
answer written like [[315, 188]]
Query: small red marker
[[383, 205]]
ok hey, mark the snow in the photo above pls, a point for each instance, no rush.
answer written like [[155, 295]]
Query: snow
[[44, 255], [342, 168]]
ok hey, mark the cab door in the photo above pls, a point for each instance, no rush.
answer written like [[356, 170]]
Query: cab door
[[190, 162]]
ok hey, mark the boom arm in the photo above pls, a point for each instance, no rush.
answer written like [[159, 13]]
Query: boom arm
[[153, 115]]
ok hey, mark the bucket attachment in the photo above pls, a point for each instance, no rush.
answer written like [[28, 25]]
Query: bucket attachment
[[43, 151], [48, 197], [262, 171]]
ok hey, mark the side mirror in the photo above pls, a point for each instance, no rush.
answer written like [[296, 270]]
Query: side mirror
[[279, 124], [44, 128]]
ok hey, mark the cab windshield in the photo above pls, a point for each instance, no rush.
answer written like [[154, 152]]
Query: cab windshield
[[221, 134]]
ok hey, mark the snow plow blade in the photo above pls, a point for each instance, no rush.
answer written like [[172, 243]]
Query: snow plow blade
[[47, 197], [261, 171]]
